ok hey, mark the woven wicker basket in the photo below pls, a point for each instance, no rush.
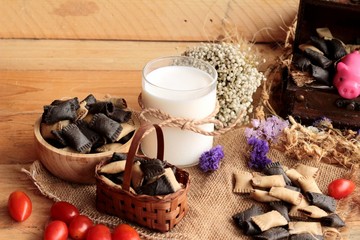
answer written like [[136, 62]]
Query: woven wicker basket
[[160, 213]]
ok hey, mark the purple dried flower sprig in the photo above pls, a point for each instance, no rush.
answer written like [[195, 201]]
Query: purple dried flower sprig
[[258, 158], [210, 160], [268, 129]]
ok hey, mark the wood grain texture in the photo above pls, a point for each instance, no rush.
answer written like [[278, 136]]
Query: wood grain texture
[[156, 20], [83, 55], [26, 54]]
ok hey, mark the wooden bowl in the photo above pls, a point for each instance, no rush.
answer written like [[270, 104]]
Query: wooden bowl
[[69, 166]]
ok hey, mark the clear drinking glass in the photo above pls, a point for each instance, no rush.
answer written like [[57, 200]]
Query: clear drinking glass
[[183, 87]]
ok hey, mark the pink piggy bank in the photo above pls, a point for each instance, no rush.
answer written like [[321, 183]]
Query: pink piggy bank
[[347, 77]]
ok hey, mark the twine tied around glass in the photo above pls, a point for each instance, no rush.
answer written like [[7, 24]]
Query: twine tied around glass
[[166, 120]]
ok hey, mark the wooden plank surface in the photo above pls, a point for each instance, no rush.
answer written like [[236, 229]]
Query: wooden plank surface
[[83, 55], [26, 54], [160, 20]]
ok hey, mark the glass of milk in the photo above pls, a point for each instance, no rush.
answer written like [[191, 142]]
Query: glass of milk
[[182, 87]]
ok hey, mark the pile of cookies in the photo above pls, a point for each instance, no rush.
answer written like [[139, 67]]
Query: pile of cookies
[[87, 126], [149, 176], [299, 209]]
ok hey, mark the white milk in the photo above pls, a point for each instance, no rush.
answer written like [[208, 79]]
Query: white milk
[[180, 91]]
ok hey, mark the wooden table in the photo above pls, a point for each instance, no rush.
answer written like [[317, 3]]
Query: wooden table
[[40, 63]]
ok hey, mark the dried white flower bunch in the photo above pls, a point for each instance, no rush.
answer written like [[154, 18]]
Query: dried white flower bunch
[[238, 77]]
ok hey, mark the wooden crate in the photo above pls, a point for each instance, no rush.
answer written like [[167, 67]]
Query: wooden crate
[[311, 102]]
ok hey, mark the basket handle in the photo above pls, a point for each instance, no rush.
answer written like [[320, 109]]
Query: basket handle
[[134, 148]]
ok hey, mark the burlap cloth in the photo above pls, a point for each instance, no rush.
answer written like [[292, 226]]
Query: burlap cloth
[[211, 198]]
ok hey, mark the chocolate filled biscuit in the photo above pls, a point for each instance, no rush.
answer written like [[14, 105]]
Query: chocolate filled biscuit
[[152, 168], [322, 201], [76, 139], [113, 167], [73, 101], [262, 196], [313, 211], [275, 168], [119, 115], [269, 220], [302, 63], [321, 75], [313, 228], [64, 110], [117, 102], [90, 99], [268, 181], [306, 236], [105, 126], [286, 195], [89, 133], [332, 220], [321, 44], [243, 182], [160, 187], [293, 188], [60, 140], [246, 215], [100, 107], [250, 228], [318, 58], [46, 129], [282, 208], [336, 48], [276, 233], [117, 178]]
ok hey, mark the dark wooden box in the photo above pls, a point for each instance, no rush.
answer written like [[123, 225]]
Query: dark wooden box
[[311, 102]]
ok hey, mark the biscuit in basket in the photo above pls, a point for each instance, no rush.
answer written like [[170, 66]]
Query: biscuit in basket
[[113, 167], [152, 168], [159, 187]]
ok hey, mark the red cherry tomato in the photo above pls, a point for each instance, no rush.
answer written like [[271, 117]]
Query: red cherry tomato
[[125, 232], [79, 226], [340, 188], [56, 230], [63, 211], [98, 232], [19, 206]]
